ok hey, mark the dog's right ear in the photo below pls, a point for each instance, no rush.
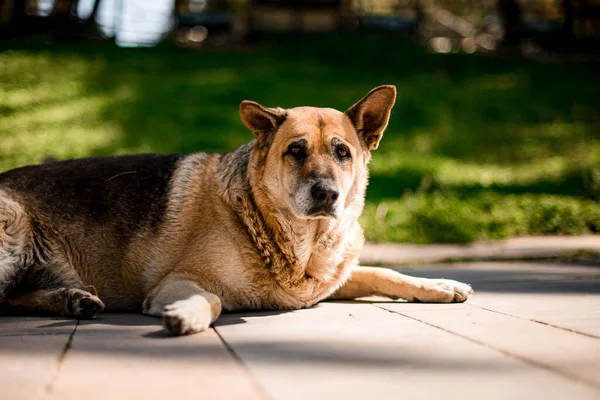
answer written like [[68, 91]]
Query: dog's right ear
[[371, 114], [262, 121]]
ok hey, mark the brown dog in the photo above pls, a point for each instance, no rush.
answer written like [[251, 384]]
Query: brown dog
[[271, 225]]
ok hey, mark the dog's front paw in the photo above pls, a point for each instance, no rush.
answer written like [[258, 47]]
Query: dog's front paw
[[444, 291], [180, 318], [82, 304]]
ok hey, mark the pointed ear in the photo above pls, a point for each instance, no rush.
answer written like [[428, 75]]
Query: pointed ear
[[371, 114], [262, 121]]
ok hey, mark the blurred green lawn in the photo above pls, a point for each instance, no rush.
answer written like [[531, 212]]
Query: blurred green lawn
[[477, 148]]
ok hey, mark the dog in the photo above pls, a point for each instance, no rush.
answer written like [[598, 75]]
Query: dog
[[272, 225]]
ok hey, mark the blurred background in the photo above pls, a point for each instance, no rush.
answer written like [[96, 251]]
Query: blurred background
[[495, 133]]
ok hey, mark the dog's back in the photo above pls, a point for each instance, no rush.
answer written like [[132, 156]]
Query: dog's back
[[130, 190], [98, 204]]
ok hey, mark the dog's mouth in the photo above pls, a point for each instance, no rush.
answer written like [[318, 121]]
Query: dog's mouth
[[322, 212]]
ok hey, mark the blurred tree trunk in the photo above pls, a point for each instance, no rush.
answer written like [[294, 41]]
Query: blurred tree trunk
[[63, 21], [92, 18], [18, 21], [177, 9], [510, 13], [568, 20], [420, 17], [62, 8], [91, 28]]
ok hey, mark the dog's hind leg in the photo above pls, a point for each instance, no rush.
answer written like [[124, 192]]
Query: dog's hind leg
[[32, 279], [15, 239], [183, 305], [62, 301], [370, 281], [54, 288]]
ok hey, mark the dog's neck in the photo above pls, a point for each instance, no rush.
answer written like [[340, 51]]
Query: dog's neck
[[292, 248], [288, 245]]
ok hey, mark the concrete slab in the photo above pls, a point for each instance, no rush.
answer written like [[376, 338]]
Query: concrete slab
[[19, 326], [127, 356], [509, 249], [531, 331], [561, 294], [570, 354], [577, 312], [516, 276], [352, 351], [29, 352]]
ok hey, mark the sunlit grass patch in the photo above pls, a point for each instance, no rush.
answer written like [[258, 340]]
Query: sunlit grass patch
[[437, 217], [60, 142], [477, 148]]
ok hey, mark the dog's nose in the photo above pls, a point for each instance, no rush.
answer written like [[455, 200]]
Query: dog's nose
[[323, 196]]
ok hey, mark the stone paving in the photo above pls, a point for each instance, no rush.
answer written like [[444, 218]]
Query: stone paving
[[519, 248], [531, 331]]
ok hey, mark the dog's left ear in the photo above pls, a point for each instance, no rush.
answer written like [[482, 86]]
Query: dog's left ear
[[371, 114], [262, 121]]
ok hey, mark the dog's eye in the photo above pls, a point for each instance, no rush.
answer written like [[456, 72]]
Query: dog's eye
[[342, 152], [297, 151]]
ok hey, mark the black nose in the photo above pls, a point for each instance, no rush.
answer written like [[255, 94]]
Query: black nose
[[323, 196]]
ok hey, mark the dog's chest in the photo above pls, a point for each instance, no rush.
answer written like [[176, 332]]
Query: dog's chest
[[305, 268], [293, 287], [323, 264]]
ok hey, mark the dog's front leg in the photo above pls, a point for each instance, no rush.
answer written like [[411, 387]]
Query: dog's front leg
[[184, 306], [369, 281]]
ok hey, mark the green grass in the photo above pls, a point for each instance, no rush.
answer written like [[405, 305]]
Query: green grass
[[477, 148]]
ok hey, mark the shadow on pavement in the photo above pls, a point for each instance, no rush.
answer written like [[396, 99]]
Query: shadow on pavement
[[517, 277]]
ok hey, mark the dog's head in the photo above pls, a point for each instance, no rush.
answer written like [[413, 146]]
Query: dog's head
[[312, 159]]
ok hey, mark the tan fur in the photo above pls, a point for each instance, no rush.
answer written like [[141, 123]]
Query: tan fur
[[241, 236], [369, 281], [14, 236]]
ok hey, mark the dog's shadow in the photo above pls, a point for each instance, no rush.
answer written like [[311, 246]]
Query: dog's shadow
[[107, 321], [224, 320]]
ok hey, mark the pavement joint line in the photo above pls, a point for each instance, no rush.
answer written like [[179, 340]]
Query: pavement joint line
[[538, 322], [255, 382], [59, 362], [582, 278], [415, 262], [21, 334], [526, 360]]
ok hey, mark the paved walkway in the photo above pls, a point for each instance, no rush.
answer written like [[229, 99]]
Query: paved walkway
[[521, 248], [531, 331]]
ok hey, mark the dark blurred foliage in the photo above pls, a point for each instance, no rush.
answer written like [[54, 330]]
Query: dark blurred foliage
[[480, 146], [528, 26]]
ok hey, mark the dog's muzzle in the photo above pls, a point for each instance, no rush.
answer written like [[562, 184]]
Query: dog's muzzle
[[323, 200]]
